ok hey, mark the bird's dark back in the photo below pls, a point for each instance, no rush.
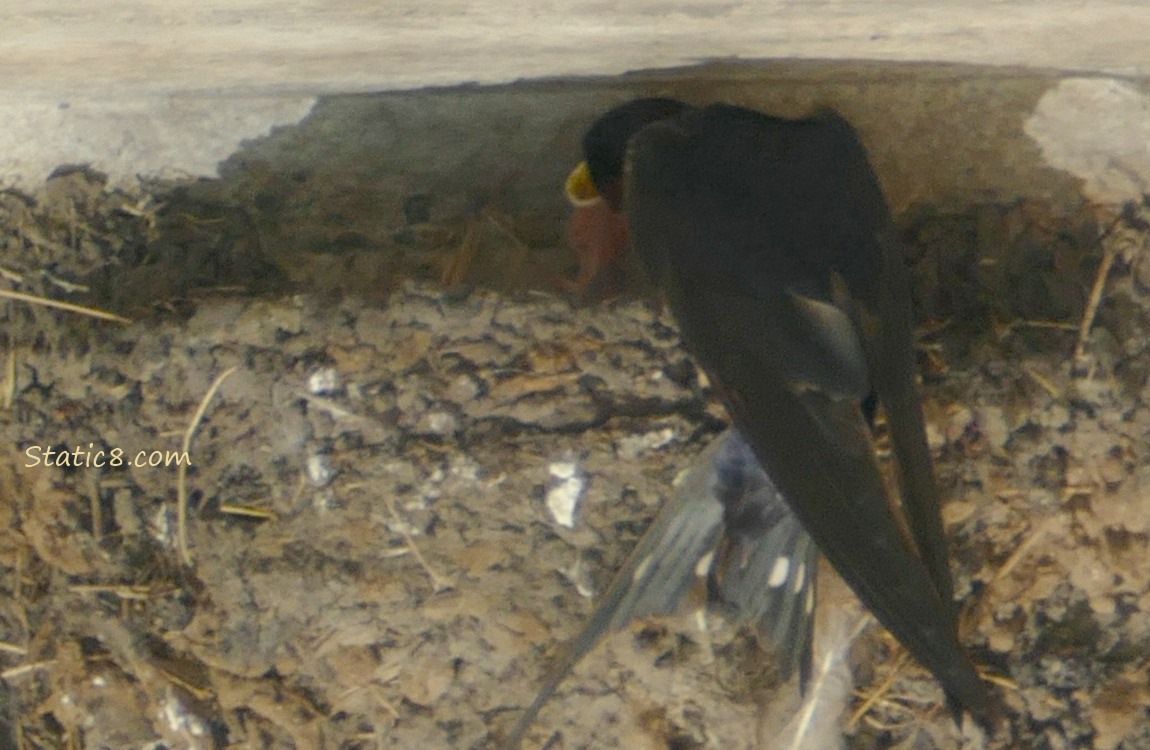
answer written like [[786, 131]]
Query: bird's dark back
[[786, 201]]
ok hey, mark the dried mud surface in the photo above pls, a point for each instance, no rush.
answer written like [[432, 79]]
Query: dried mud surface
[[372, 561]]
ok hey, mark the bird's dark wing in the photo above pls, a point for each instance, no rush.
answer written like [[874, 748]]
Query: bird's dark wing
[[723, 489], [767, 237], [893, 364]]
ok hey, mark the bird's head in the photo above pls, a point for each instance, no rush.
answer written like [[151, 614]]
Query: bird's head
[[597, 230], [600, 175]]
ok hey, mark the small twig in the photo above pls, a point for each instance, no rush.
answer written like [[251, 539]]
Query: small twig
[[300, 487], [24, 669], [459, 263], [1054, 324], [506, 230], [1009, 328], [440, 583], [383, 701], [33, 237], [133, 593], [247, 512], [1042, 381], [331, 407], [376, 693], [58, 305], [198, 692], [877, 693], [1077, 490], [64, 284], [1002, 682], [1108, 256], [891, 726], [1036, 534], [182, 470], [146, 208], [522, 250], [12, 648]]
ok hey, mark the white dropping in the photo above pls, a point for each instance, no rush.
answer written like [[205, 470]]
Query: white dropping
[[180, 720], [319, 469], [634, 446], [324, 382], [779, 572], [162, 526], [810, 603], [566, 488], [563, 469]]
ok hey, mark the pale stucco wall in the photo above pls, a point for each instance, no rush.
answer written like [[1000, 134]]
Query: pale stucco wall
[[173, 87]]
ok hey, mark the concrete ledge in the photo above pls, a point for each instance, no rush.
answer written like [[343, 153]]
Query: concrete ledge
[[158, 47], [172, 89]]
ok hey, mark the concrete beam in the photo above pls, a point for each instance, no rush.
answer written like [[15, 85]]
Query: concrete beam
[[134, 47], [174, 87]]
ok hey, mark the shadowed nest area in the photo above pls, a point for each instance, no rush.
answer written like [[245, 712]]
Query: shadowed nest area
[[300, 500]]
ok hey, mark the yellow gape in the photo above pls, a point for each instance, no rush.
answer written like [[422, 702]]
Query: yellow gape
[[579, 188]]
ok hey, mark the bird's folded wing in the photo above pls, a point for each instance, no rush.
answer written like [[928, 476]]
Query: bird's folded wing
[[817, 449], [768, 252]]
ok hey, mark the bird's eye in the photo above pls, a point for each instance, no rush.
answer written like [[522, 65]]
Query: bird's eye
[[580, 188]]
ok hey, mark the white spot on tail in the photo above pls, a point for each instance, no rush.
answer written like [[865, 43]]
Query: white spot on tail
[[704, 565], [800, 578], [779, 572]]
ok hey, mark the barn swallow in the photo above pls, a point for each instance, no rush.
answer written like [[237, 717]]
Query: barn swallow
[[773, 246], [726, 523]]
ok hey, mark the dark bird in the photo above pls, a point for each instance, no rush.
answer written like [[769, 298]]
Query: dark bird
[[726, 523], [772, 244]]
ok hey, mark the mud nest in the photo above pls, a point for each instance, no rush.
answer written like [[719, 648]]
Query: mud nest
[[368, 559]]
